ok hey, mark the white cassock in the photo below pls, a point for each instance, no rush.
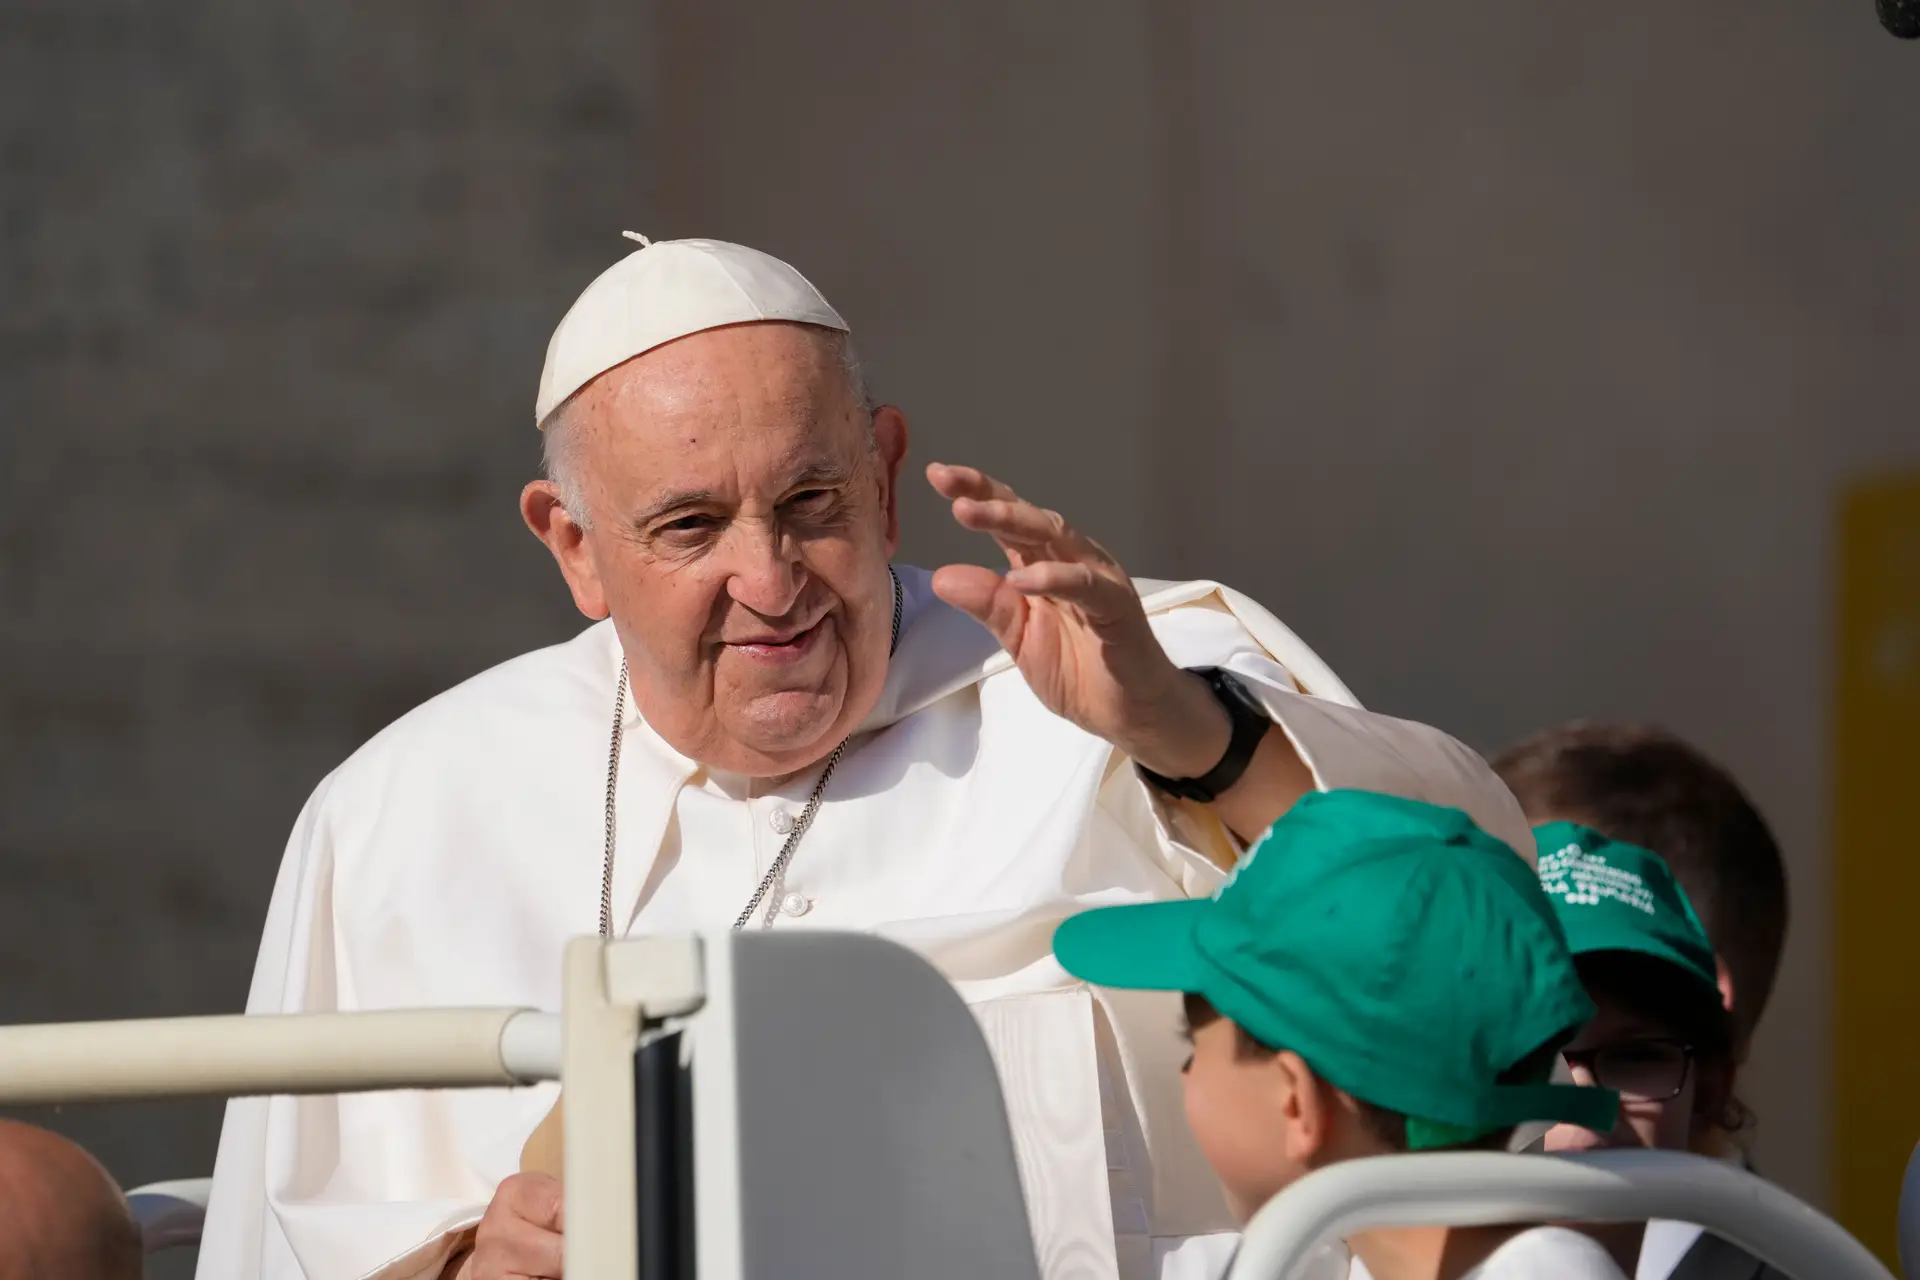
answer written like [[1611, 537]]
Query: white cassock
[[448, 861]]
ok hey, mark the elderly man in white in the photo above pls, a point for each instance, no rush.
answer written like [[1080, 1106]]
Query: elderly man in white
[[771, 725]]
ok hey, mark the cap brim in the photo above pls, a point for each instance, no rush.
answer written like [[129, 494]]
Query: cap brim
[[1656, 949], [1146, 947], [1514, 1106], [1584, 1105]]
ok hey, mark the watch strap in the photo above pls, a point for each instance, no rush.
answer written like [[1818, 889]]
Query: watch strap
[[1250, 724]]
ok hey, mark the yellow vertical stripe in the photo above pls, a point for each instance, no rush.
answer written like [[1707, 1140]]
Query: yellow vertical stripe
[[1876, 843]]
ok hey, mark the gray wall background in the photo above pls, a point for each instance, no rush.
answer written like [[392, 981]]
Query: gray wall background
[[1512, 356], [275, 283]]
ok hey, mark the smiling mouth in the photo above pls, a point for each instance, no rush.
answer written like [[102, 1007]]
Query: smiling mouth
[[778, 648]]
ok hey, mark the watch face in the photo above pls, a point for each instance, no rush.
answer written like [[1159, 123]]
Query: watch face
[[1234, 694], [1235, 689]]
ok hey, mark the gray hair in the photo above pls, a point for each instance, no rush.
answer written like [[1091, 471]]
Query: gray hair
[[560, 445]]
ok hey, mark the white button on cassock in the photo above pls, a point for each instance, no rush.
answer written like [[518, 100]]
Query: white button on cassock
[[795, 904], [781, 820]]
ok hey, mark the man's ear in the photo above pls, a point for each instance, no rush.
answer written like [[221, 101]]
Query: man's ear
[[890, 442], [1725, 981], [553, 524]]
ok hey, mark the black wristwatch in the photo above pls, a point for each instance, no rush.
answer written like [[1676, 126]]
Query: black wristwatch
[[1250, 724]]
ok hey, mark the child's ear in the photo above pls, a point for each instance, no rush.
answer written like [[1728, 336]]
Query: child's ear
[[1306, 1105]]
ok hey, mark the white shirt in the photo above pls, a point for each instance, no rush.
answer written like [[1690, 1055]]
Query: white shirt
[[1665, 1242], [449, 859], [1662, 1246], [1548, 1253]]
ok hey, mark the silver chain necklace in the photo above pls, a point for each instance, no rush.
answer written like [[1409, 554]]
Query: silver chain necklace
[[777, 873]]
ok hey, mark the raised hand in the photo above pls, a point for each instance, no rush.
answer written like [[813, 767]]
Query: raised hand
[[1069, 616]]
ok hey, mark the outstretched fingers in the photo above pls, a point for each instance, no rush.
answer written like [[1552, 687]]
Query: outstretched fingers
[[1103, 597], [953, 482], [1013, 520], [1027, 533]]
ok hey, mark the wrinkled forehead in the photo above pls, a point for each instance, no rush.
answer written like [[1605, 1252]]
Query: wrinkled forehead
[[721, 413]]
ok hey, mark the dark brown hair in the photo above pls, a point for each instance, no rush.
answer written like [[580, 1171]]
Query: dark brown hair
[[1388, 1126], [1641, 784]]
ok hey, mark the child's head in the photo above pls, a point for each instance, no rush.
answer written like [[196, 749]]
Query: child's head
[[1661, 1037], [1643, 785], [1378, 975], [1265, 1117]]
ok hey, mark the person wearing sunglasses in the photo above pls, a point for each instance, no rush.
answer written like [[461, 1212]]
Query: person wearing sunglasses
[[1662, 1038]]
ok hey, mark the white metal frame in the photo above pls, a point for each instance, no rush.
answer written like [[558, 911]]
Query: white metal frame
[[302, 1053], [611, 988], [1480, 1188], [719, 1232]]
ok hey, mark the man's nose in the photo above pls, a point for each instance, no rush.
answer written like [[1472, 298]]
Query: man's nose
[[765, 571]]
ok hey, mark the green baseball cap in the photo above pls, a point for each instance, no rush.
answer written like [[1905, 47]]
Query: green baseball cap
[[1408, 956], [1611, 896]]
